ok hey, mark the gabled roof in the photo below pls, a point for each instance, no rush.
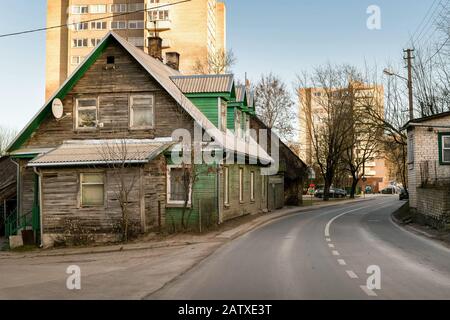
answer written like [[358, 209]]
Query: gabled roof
[[425, 119], [106, 152], [215, 83], [241, 93], [162, 74]]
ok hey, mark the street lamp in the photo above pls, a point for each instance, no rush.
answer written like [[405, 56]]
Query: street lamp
[[409, 58]]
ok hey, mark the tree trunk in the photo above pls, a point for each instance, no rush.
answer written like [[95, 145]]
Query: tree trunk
[[355, 181], [326, 190]]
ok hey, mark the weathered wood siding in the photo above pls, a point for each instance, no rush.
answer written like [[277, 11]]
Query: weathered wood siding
[[155, 192], [61, 201], [113, 87]]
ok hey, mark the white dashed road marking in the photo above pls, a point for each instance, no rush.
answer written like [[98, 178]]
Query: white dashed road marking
[[328, 239], [342, 262], [367, 291], [331, 245], [351, 274], [335, 253]]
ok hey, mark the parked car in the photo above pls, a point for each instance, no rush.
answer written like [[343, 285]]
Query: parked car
[[389, 190], [403, 194], [334, 193]]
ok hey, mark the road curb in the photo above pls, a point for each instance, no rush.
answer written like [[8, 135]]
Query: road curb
[[270, 217]]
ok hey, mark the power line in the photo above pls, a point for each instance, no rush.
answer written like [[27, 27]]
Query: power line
[[439, 50], [436, 15], [421, 23], [91, 20]]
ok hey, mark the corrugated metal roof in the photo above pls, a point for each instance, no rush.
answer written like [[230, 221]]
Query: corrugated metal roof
[[90, 152], [240, 93], [204, 83]]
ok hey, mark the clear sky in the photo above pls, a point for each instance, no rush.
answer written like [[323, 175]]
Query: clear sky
[[283, 36]]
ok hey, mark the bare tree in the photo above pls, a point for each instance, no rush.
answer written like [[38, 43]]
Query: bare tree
[[219, 62], [363, 142], [331, 124], [274, 105], [116, 154], [6, 137]]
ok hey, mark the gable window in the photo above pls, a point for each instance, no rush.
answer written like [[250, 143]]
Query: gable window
[[141, 111], [80, 9], [118, 25], [241, 185], [121, 7], [226, 178], [252, 186], [136, 24], [177, 182], [222, 115], [445, 148], [97, 8], [92, 189], [86, 113], [237, 123], [98, 25]]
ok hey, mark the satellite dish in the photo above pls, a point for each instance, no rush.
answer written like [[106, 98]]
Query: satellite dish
[[57, 108]]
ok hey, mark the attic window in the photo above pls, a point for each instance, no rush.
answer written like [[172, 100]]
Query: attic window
[[110, 60]]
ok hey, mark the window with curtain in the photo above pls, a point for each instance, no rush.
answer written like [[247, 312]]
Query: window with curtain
[[176, 185]]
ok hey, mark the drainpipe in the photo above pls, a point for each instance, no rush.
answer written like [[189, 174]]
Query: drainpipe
[[17, 188], [41, 225], [219, 213]]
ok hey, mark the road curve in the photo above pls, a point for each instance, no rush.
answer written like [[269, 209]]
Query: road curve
[[322, 254]]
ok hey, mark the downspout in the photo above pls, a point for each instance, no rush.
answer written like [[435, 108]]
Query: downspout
[[219, 213], [17, 188], [41, 225]]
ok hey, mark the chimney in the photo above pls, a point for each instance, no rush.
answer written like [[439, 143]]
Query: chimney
[[155, 47], [173, 60]]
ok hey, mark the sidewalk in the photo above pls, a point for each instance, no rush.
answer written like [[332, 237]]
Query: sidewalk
[[182, 239]]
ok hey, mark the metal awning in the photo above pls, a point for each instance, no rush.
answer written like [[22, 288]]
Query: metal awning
[[102, 152]]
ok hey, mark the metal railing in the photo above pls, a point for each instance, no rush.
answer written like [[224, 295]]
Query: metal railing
[[14, 223]]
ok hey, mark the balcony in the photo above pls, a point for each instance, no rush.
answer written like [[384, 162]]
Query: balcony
[[166, 43], [159, 25]]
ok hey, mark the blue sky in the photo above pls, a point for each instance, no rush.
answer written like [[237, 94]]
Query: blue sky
[[283, 36]]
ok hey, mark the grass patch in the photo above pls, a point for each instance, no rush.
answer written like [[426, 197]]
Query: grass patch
[[28, 248]]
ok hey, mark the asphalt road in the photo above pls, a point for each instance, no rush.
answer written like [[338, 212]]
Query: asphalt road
[[323, 254]]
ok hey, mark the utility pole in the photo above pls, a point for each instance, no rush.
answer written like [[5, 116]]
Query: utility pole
[[409, 59]]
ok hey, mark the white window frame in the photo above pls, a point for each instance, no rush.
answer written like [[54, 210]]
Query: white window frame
[[241, 185], [443, 137], [75, 43], [137, 41], [77, 26], [77, 100], [252, 185], [81, 189], [136, 23], [95, 24], [226, 179], [125, 25], [132, 97], [94, 8], [79, 58], [78, 9], [176, 202], [97, 41], [222, 114]]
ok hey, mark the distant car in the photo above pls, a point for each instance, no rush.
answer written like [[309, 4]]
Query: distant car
[[403, 194], [334, 193], [388, 190]]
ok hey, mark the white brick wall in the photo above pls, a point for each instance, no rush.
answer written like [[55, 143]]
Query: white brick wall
[[425, 148]]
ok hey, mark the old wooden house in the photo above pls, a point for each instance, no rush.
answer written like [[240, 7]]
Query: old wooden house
[[105, 140]]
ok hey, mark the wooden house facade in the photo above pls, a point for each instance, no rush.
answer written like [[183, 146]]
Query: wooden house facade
[[110, 152]]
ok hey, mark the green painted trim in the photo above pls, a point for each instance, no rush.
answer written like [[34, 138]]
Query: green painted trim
[[440, 136], [25, 156], [34, 125], [224, 95]]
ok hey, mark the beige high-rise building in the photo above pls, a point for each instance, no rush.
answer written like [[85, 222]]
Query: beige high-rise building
[[312, 101], [194, 29]]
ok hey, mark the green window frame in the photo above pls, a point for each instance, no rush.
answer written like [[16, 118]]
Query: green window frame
[[443, 147]]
